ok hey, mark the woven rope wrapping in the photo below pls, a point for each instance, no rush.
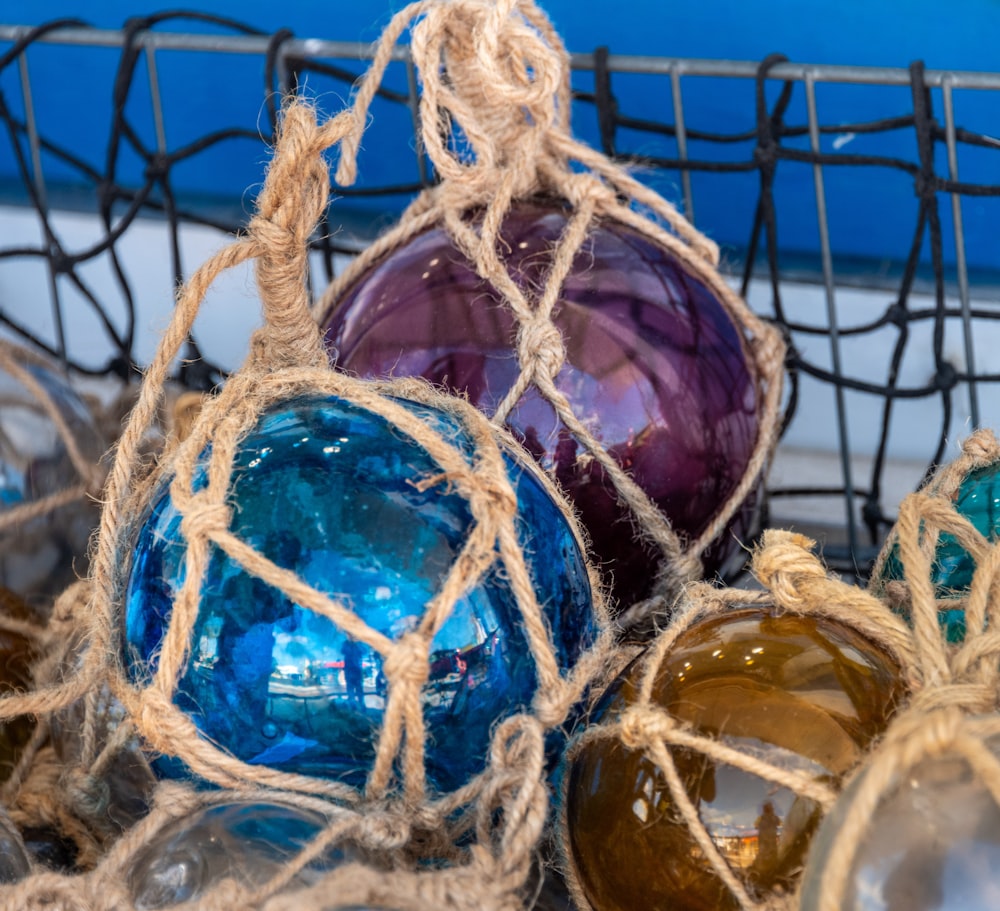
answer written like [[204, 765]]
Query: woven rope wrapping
[[795, 583], [287, 360], [498, 73], [933, 512], [954, 709]]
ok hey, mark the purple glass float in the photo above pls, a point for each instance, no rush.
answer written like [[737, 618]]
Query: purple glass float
[[655, 368]]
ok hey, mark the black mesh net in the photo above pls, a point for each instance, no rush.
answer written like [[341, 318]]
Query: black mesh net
[[740, 178]]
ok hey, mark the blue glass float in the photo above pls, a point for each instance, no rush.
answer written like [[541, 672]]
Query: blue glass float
[[325, 488], [247, 842], [978, 500]]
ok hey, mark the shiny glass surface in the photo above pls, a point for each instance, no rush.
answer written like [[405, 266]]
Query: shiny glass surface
[[247, 842], [50, 848], [40, 559], [978, 499], [802, 693], [14, 863], [932, 845], [655, 368], [327, 489]]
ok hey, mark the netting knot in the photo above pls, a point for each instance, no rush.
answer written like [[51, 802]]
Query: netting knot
[[384, 831], [641, 727], [407, 664], [87, 794], [540, 346], [204, 519], [518, 744]]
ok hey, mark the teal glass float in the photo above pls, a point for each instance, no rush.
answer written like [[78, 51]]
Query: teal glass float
[[325, 488], [978, 500], [247, 842]]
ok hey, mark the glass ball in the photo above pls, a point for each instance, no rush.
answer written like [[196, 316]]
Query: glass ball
[[41, 557], [14, 863], [247, 842], [978, 500], [932, 844], [803, 693], [326, 488], [655, 368]]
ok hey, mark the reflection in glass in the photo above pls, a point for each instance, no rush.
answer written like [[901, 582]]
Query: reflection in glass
[[932, 844], [803, 694], [327, 489], [250, 843]]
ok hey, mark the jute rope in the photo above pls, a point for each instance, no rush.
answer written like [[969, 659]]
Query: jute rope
[[795, 583], [954, 708], [287, 361], [497, 74]]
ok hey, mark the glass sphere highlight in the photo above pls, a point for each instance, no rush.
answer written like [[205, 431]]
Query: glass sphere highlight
[[932, 843], [655, 368], [802, 693], [247, 842], [327, 489]]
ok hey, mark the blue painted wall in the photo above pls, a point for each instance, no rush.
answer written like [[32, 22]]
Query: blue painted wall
[[871, 210]]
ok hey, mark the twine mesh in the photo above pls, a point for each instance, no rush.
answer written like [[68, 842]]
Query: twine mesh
[[505, 96], [795, 582], [502, 810]]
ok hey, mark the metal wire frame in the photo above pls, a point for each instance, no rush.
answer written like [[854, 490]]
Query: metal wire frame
[[288, 58]]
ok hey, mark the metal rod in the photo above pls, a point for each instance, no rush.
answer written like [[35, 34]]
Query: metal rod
[[682, 150], [961, 268], [413, 101], [154, 91], [315, 47], [38, 175], [831, 315]]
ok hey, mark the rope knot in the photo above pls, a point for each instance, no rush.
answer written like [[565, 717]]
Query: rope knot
[[384, 831], [494, 83], [641, 726], [540, 346], [982, 447], [89, 795], [518, 744], [785, 564], [203, 519], [407, 664]]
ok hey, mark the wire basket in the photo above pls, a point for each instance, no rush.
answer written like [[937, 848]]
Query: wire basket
[[890, 330]]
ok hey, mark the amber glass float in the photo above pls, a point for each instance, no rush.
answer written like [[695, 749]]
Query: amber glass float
[[802, 693]]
